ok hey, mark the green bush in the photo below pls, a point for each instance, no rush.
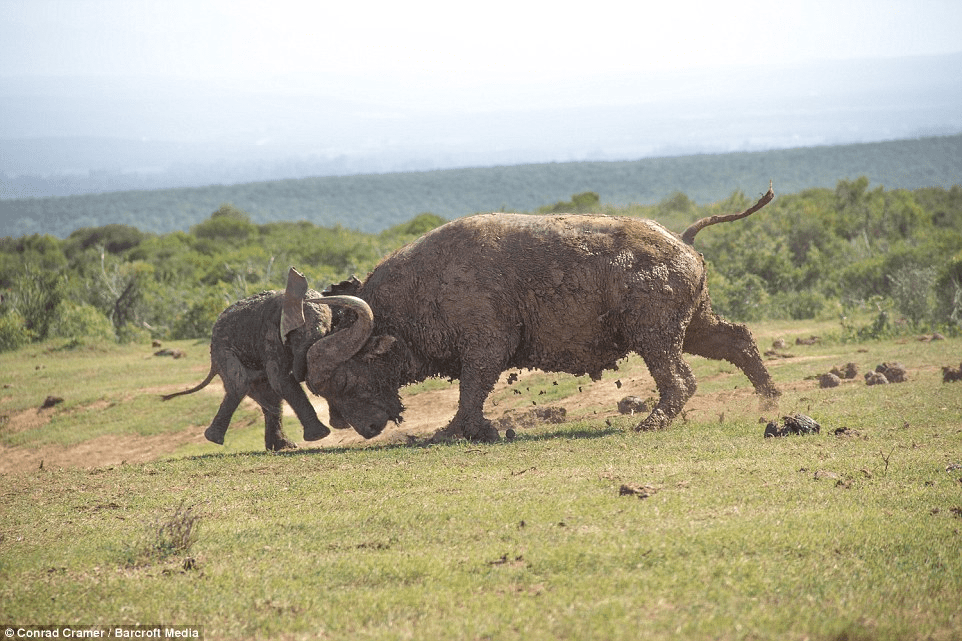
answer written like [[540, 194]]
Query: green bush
[[198, 319], [81, 320], [579, 203], [37, 296], [740, 299], [13, 332], [802, 305], [913, 294]]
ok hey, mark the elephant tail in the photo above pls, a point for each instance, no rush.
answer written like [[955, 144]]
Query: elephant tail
[[197, 388]]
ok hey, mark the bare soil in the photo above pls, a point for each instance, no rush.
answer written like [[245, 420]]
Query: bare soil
[[426, 413]]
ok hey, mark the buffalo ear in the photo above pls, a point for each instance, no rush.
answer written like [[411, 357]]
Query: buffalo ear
[[292, 310], [378, 345]]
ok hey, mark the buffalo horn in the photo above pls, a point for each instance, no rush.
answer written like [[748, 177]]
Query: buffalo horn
[[334, 349]]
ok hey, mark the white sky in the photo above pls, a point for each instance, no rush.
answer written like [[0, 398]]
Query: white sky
[[247, 38]]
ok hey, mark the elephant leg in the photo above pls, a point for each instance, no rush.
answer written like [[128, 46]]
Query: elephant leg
[[236, 379], [270, 402], [290, 390], [218, 427]]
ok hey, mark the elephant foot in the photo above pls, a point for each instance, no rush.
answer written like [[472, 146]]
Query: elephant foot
[[316, 432], [657, 420], [214, 435]]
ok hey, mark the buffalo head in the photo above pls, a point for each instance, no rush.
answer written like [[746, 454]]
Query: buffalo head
[[344, 368]]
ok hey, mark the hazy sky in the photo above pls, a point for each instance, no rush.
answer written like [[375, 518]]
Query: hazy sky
[[458, 41]]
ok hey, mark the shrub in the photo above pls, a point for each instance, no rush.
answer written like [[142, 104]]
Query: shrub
[[740, 299], [948, 293], [198, 320], [37, 296], [802, 305], [13, 332], [81, 320], [912, 293]]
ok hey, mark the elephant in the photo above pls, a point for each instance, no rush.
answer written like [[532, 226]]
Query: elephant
[[259, 348]]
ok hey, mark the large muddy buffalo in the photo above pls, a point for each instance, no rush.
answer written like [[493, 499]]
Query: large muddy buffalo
[[563, 293]]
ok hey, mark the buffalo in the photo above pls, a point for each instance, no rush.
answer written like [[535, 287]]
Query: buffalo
[[561, 293]]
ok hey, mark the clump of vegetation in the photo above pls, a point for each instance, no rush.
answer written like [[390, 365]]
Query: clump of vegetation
[[169, 536], [579, 204]]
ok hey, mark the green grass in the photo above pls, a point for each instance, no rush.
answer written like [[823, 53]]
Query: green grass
[[810, 537]]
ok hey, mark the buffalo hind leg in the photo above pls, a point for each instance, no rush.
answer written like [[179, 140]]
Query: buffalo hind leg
[[710, 336], [676, 384], [270, 402]]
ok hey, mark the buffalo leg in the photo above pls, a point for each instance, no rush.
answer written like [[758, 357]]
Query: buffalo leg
[[676, 384], [476, 383], [713, 337], [270, 402]]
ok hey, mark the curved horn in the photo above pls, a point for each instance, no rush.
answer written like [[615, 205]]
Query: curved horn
[[334, 349]]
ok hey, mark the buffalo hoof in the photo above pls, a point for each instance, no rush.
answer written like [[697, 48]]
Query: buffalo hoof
[[214, 435], [769, 402], [657, 420], [316, 432], [281, 444], [486, 434]]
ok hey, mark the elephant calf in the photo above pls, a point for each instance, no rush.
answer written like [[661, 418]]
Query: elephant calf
[[258, 348]]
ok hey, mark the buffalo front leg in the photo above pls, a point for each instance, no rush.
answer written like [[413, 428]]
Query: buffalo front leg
[[469, 422], [270, 402]]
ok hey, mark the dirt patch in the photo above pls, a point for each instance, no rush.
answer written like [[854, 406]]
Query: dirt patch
[[25, 420], [426, 413], [109, 449]]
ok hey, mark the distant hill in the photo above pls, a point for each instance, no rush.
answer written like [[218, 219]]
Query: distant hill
[[374, 202]]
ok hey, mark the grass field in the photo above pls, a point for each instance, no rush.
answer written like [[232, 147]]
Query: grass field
[[582, 529]]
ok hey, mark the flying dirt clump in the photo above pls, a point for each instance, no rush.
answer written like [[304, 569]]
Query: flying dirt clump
[[893, 372], [533, 417], [829, 380], [632, 405], [951, 374], [795, 424]]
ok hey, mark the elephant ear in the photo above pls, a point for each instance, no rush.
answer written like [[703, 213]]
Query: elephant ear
[[292, 311]]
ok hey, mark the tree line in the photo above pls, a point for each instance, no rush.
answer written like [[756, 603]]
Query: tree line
[[817, 253], [374, 202]]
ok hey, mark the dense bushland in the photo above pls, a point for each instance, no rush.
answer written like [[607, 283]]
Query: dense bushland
[[842, 253]]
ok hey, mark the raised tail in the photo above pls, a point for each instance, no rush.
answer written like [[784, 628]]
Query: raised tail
[[689, 234], [200, 386]]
